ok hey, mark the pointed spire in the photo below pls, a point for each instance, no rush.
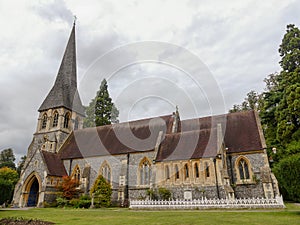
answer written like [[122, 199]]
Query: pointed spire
[[64, 91]]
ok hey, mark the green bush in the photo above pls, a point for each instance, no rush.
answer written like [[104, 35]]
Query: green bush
[[8, 180], [74, 202], [160, 194], [102, 192], [287, 171], [164, 194], [84, 201], [152, 194], [61, 202], [6, 191]]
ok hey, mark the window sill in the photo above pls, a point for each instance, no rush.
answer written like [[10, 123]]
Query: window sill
[[245, 182]]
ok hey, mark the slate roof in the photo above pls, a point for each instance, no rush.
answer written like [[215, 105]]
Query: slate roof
[[64, 91], [54, 164], [122, 138], [196, 138], [240, 129], [188, 145]]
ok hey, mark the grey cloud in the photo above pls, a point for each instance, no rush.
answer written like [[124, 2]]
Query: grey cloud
[[54, 11]]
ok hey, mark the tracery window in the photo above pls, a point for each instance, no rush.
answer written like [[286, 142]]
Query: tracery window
[[44, 122], [55, 120], [186, 171], [196, 168], [167, 173], [106, 172], [76, 173], [66, 120], [145, 172], [207, 173], [243, 169], [76, 123], [176, 172]]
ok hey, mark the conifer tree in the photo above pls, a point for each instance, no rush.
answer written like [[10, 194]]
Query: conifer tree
[[101, 110], [7, 158], [102, 192], [288, 110]]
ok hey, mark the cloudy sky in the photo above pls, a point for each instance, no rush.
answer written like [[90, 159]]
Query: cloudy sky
[[203, 56]]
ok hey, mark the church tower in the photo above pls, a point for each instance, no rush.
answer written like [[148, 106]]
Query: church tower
[[60, 113], [62, 110]]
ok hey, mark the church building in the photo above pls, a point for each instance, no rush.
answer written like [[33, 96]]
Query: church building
[[220, 156]]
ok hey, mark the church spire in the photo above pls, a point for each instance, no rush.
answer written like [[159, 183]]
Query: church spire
[[64, 91]]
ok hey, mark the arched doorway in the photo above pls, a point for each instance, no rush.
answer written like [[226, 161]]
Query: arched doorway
[[33, 193]]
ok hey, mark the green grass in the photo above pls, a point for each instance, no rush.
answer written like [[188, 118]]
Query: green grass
[[288, 216]]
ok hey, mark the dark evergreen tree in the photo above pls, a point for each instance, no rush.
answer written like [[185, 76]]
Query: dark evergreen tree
[[271, 98], [102, 192], [7, 158], [280, 114], [288, 110], [252, 101], [21, 164], [101, 110]]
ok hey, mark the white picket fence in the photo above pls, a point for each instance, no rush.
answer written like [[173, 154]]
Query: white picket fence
[[208, 203]]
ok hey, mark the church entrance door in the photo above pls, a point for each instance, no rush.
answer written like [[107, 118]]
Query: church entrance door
[[33, 193]]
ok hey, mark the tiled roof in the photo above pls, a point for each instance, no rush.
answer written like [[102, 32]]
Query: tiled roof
[[240, 128], [122, 138], [188, 145], [196, 138], [64, 91], [54, 164]]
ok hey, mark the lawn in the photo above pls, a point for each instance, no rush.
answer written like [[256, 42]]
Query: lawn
[[290, 216]]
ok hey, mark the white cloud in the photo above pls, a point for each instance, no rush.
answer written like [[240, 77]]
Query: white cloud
[[237, 40]]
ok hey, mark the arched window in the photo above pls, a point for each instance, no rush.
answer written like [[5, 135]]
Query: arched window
[[66, 120], [176, 172], [76, 173], [145, 172], [76, 123], [196, 168], [167, 173], [44, 121], [243, 169], [186, 171], [106, 172], [207, 174], [55, 120]]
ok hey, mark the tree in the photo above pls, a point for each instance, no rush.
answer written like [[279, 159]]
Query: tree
[[8, 180], [102, 192], [252, 101], [68, 187], [114, 114], [7, 158], [21, 164], [288, 110], [287, 172], [270, 101], [101, 110]]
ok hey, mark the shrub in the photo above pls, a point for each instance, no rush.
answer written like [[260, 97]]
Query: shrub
[[68, 187], [161, 194], [84, 201], [287, 171], [164, 194], [61, 202], [8, 179], [152, 194], [102, 192], [74, 202]]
